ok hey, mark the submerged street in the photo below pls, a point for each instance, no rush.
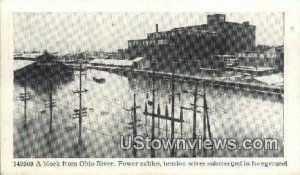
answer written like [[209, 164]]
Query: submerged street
[[233, 113]]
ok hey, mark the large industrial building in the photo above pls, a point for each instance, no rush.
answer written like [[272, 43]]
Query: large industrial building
[[193, 45]]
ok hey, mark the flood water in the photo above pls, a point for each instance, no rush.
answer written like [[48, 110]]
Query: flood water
[[233, 113]]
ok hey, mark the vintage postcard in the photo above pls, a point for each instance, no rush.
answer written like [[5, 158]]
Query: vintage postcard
[[139, 89]]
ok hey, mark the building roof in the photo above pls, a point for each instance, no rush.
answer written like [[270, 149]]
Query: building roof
[[112, 62], [137, 59], [19, 64], [274, 79], [28, 55], [46, 57]]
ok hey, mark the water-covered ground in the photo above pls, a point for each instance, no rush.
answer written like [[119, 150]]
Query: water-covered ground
[[233, 113]]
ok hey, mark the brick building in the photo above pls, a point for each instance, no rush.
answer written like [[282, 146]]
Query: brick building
[[194, 46]]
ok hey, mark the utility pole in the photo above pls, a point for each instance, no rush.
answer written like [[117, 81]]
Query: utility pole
[[206, 123], [146, 110], [195, 111], [85, 61], [172, 111], [50, 108], [181, 126], [195, 118], [82, 111], [25, 97], [134, 124], [50, 105], [159, 116], [172, 152], [80, 104], [153, 111], [25, 105], [167, 115], [158, 113]]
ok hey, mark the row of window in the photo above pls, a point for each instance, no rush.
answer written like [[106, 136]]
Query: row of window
[[146, 42], [257, 55], [177, 32]]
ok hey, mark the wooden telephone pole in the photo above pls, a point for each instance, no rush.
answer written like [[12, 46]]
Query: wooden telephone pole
[[50, 108], [167, 115], [172, 111], [50, 104], [153, 112], [173, 152], [134, 122], [159, 116], [26, 96], [206, 123], [195, 118], [82, 111]]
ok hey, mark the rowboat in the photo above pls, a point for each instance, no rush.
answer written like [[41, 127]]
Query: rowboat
[[99, 80]]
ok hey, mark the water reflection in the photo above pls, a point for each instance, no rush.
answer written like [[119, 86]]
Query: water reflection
[[232, 114]]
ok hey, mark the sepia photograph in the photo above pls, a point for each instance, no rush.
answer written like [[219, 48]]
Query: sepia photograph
[[148, 84]]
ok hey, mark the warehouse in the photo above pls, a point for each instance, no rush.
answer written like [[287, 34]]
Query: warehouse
[[194, 43]]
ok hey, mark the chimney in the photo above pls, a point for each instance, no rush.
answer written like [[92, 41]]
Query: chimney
[[156, 26]]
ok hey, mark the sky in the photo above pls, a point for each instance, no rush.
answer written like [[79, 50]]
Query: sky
[[71, 32]]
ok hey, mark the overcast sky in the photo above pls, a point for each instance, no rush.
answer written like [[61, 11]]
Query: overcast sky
[[69, 32]]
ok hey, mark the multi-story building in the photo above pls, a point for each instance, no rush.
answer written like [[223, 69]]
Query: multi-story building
[[194, 45]]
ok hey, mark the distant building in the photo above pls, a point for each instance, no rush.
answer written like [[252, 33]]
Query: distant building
[[44, 72], [271, 57], [98, 54], [112, 63], [27, 56], [141, 63], [279, 61], [110, 55], [123, 54], [262, 48], [252, 58], [194, 43], [47, 59], [138, 63], [224, 61]]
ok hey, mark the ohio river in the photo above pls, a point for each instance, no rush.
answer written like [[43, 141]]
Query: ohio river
[[233, 113]]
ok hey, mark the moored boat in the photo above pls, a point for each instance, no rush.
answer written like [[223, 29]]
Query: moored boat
[[99, 80]]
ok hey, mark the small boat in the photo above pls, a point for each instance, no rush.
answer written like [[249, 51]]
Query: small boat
[[99, 80]]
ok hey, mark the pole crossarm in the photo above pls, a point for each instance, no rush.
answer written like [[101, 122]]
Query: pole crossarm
[[190, 109], [164, 117]]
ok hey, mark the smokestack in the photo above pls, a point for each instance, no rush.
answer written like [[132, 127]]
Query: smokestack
[[156, 26]]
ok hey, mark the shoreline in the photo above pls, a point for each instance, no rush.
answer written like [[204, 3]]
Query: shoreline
[[214, 82]]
